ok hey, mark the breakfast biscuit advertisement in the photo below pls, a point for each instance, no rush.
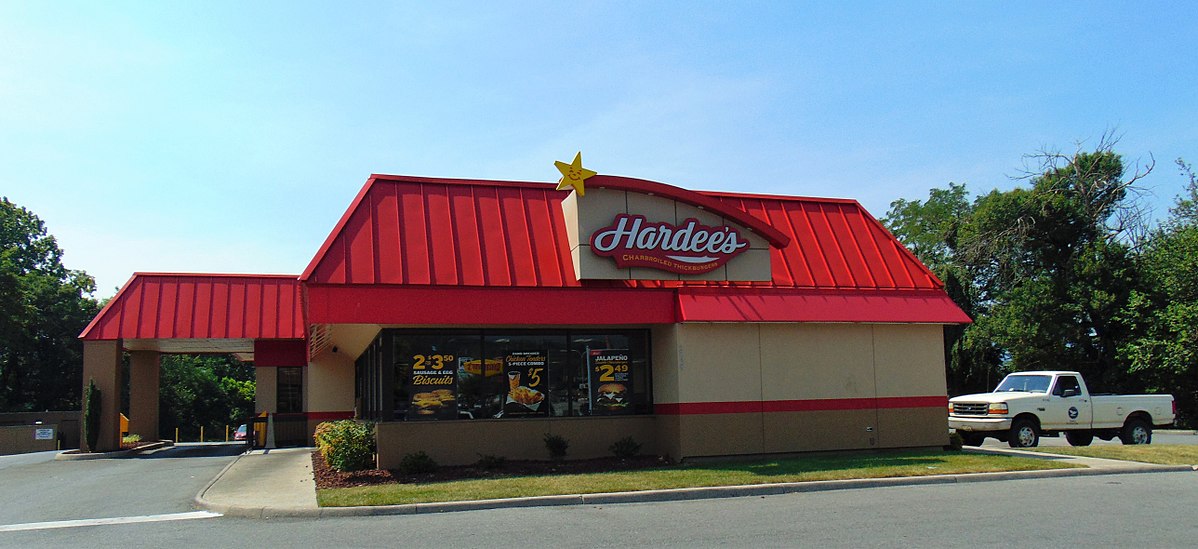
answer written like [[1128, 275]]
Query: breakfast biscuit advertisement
[[434, 387], [611, 381]]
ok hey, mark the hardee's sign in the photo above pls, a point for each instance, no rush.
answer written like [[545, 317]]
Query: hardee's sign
[[689, 248], [633, 229]]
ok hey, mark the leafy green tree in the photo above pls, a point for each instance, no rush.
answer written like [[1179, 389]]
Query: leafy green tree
[[43, 308], [1162, 353], [203, 390], [1045, 271]]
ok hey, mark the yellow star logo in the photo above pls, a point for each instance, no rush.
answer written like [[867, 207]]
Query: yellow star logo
[[573, 174]]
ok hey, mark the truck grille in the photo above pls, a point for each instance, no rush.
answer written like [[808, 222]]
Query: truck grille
[[970, 409]]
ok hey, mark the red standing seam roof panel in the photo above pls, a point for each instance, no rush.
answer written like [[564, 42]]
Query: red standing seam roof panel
[[178, 306], [512, 234]]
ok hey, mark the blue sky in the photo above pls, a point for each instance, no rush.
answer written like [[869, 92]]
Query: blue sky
[[230, 137]]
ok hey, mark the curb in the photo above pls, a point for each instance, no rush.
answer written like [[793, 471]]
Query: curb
[[65, 456], [646, 496], [203, 503]]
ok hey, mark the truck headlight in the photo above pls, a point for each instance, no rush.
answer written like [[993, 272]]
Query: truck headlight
[[998, 408], [950, 407]]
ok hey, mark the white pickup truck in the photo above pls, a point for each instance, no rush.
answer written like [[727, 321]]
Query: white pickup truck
[[1027, 405]]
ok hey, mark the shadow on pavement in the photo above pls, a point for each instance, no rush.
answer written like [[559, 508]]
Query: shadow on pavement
[[196, 450]]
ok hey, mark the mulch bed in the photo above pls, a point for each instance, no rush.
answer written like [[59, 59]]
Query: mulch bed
[[326, 477]]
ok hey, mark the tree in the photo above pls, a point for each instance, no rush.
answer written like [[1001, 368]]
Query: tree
[[1162, 352], [43, 308], [203, 390], [1045, 272]]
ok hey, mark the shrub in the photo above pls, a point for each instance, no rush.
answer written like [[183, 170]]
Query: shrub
[[321, 435], [91, 415], [490, 462], [346, 445], [130, 439], [420, 462], [625, 448], [955, 442], [557, 445]]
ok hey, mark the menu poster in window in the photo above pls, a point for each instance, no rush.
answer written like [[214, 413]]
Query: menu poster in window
[[526, 375], [433, 387], [611, 381]]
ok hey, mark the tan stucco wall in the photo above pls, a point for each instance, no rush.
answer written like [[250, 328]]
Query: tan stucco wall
[[144, 374], [746, 363], [102, 362], [809, 361], [461, 442], [329, 383], [821, 430], [266, 395], [21, 439], [909, 360], [664, 339], [719, 363]]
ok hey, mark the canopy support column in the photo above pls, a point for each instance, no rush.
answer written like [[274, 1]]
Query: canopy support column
[[144, 367], [102, 363]]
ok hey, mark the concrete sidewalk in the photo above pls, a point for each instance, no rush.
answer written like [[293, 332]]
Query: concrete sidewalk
[[279, 483], [263, 484]]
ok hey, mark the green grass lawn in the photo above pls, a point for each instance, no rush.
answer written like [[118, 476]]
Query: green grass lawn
[[799, 469], [1164, 454]]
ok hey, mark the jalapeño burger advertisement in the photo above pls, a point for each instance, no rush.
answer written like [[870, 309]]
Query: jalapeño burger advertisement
[[526, 383], [611, 381], [433, 387]]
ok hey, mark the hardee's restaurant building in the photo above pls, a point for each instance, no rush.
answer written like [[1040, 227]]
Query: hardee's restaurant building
[[473, 317]]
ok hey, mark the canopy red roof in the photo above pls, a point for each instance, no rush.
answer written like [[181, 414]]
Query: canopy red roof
[[202, 306]]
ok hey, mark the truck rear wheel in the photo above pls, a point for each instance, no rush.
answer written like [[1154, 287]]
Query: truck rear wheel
[[1023, 434], [1136, 431], [1079, 438]]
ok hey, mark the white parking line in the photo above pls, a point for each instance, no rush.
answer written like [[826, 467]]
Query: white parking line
[[106, 521]]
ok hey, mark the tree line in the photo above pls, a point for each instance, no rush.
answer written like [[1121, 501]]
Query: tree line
[[1065, 272], [44, 306]]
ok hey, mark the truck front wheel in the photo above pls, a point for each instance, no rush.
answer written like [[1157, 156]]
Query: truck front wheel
[[1079, 438], [1023, 434], [1136, 431]]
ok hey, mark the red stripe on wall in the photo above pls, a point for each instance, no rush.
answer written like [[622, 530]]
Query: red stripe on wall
[[329, 416], [810, 405]]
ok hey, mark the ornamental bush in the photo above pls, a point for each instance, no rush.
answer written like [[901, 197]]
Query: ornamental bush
[[346, 445], [625, 448], [557, 445], [417, 463], [91, 415]]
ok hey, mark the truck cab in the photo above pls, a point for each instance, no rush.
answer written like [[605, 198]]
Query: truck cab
[[1027, 405]]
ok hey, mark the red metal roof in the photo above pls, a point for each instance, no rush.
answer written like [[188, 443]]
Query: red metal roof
[[201, 306], [449, 232], [907, 306]]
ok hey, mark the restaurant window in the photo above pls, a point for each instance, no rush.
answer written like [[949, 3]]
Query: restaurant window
[[499, 374], [290, 389]]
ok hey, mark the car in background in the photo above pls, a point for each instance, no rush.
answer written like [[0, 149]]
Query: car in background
[[240, 433]]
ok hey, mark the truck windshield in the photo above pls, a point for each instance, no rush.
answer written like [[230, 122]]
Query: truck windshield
[[1027, 384]]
